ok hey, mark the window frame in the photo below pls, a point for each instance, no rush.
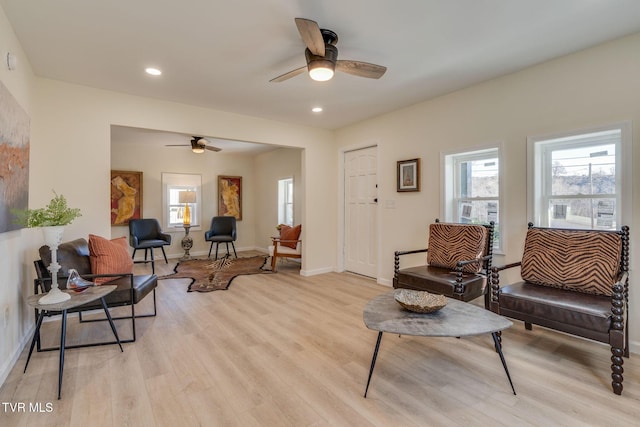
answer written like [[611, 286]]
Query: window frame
[[282, 202], [452, 196], [181, 182], [539, 190]]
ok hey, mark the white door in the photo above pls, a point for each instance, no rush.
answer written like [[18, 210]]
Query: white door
[[361, 213]]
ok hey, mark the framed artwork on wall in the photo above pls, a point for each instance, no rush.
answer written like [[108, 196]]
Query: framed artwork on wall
[[409, 175], [230, 196], [126, 196], [14, 159]]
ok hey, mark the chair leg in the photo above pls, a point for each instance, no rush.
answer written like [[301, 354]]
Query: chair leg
[[165, 255], [153, 262], [227, 243], [234, 249], [210, 247], [273, 263], [134, 254], [217, 244]]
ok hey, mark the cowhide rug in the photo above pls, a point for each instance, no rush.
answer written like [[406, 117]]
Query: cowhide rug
[[208, 275]]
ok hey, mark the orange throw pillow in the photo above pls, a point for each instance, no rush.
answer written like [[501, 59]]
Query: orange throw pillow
[[290, 233], [109, 257]]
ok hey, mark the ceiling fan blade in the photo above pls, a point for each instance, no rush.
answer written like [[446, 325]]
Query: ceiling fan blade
[[212, 148], [311, 35], [288, 75], [178, 145], [361, 69]]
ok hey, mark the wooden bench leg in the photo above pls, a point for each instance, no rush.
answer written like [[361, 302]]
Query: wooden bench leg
[[616, 369]]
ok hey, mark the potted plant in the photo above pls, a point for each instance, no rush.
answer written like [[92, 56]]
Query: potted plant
[[55, 214], [52, 219]]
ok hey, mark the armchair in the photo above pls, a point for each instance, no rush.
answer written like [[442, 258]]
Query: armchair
[[287, 245], [459, 260], [131, 288], [573, 281], [146, 234]]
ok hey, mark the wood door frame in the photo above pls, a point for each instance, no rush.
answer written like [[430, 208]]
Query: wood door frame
[[341, 205]]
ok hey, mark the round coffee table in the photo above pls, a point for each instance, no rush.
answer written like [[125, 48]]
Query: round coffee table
[[456, 319]]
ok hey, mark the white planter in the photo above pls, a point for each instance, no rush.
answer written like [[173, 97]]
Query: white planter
[[53, 238]]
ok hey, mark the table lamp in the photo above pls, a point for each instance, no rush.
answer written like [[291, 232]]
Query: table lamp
[[187, 197]]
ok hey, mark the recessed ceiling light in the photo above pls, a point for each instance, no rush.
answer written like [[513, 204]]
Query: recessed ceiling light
[[317, 109], [153, 71]]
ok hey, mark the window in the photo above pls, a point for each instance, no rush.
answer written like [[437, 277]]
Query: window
[[285, 201], [172, 185], [576, 178], [472, 189]]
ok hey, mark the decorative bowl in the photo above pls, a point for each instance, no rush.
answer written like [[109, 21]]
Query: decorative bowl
[[419, 301]]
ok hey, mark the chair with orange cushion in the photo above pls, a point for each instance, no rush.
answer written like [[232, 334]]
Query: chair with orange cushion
[[287, 245]]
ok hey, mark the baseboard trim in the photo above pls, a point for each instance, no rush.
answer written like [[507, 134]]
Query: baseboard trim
[[8, 365]]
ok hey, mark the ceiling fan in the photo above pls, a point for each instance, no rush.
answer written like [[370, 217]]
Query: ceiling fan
[[198, 145], [322, 56]]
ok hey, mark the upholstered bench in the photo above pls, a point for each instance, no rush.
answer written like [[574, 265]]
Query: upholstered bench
[[131, 288], [574, 281], [458, 259]]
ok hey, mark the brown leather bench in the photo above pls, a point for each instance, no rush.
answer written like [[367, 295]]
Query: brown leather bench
[[573, 281]]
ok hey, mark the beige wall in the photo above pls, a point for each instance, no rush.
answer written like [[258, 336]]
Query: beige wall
[[593, 87], [269, 168], [16, 256], [153, 161], [73, 122], [260, 174]]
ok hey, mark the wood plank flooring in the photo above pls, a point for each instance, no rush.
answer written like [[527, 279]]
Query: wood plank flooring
[[286, 350]]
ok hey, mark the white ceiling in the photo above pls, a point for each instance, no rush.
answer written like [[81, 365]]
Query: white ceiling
[[222, 54]]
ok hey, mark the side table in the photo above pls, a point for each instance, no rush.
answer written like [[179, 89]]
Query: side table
[[77, 299]]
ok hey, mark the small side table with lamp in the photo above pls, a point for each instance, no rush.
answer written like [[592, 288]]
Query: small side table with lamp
[[186, 197]]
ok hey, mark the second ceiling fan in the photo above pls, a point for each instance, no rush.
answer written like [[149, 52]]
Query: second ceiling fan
[[198, 145], [322, 56]]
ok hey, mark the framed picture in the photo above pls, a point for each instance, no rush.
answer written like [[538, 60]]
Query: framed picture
[[409, 175], [126, 196], [14, 159], [230, 196]]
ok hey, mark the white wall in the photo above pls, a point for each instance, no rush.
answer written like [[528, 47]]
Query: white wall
[[153, 161], [260, 174], [16, 256], [593, 87], [269, 168]]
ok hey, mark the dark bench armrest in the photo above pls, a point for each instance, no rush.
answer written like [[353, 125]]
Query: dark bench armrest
[[482, 259], [396, 259], [494, 282]]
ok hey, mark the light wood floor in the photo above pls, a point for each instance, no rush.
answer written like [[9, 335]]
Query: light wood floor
[[286, 350]]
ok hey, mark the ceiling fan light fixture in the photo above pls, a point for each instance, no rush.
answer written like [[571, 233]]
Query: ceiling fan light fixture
[[322, 68], [321, 71], [198, 144]]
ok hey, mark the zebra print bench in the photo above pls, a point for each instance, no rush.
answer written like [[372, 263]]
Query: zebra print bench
[[574, 281]]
